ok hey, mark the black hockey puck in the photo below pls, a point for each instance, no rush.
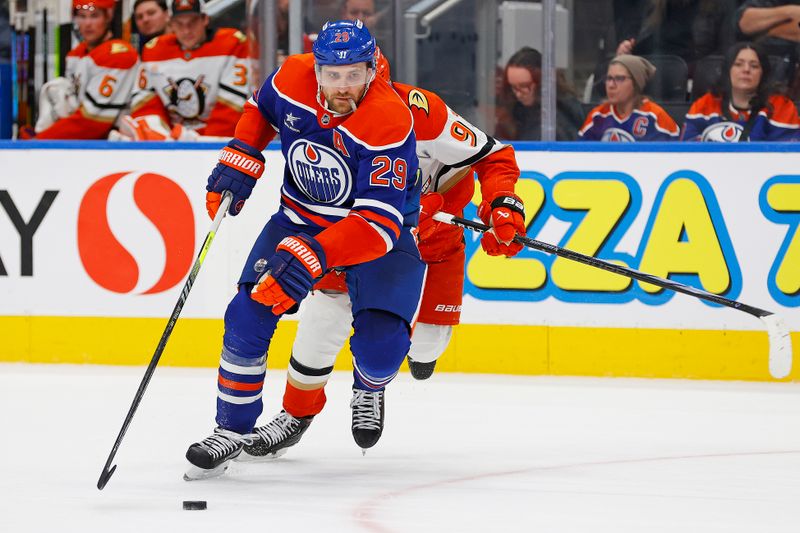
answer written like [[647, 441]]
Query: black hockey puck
[[199, 505]]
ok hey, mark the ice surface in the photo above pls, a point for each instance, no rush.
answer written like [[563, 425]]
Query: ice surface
[[459, 453]]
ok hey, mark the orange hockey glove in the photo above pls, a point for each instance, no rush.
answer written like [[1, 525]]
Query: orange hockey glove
[[506, 215], [298, 262], [429, 204], [144, 128], [239, 166]]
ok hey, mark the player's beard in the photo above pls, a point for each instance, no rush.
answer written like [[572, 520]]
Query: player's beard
[[343, 102]]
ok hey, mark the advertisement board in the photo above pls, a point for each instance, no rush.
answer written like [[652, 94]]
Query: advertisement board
[[95, 244]]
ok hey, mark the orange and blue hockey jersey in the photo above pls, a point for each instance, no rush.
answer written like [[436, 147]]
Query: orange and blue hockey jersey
[[103, 80], [355, 175], [649, 122], [706, 122]]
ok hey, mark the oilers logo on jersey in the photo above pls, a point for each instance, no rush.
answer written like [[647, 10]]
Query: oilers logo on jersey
[[319, 172], [722, 132], [617, 135], [187, 97]]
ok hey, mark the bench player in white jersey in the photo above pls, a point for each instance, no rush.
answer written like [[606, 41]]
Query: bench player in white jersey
[[450, 150], [100, 71], [192, 83]]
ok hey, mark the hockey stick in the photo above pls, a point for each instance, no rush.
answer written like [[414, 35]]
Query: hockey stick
[[780, 343], [108, 470]]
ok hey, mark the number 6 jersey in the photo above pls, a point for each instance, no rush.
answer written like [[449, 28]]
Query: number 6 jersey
[[102, 79], [202, 89]]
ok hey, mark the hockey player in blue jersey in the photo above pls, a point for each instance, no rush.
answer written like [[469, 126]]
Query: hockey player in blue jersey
[[349, 201]]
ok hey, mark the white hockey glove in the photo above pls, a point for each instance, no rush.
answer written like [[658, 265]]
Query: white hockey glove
[[57, 100]]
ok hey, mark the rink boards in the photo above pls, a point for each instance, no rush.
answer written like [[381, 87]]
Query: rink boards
[[96, 241]]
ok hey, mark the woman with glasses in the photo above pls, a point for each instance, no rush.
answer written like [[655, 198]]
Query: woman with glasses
[[520, 111], [627, 115], [742, 107]]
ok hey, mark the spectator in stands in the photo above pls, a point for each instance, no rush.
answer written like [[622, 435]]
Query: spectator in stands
[[520, 111], [193, 82], [100, 72], [742, 107], [773, 25], [627, 115], [363, 10], [774, 21], [282, 27], [690, 29], [151, 18], [376, 16]]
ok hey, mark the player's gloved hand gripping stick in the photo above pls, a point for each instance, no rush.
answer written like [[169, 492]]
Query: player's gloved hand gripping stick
[[239, 166], [505, 217], [299, 261], [224, 204], [780, 344]]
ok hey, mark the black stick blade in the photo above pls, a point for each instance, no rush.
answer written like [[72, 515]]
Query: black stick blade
[[105, 476]]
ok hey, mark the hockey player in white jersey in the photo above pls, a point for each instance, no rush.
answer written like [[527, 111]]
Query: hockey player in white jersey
[[450, 151], [86, 102], [192, 83]]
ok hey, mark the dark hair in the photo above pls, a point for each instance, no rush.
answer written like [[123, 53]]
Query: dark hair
[[509, 110], [723, 87], [161, 3], [531, 60]]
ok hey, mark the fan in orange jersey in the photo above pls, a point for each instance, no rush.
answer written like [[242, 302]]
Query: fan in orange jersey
[[99, 77], [449, 149], [192, 83]]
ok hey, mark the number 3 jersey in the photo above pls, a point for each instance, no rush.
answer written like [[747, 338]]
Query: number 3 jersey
[[203, 89], [352, 175], [102, 79]]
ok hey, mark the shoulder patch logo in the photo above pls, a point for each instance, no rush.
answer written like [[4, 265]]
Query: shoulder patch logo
[[151, 43], [418, 100], [118, 48], [239, 36], [290, 120]]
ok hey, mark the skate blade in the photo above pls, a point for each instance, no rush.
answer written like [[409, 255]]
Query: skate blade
[[196, 473], [245, 457]]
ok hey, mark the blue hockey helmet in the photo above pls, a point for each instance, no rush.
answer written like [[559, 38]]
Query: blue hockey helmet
[[344, 42]]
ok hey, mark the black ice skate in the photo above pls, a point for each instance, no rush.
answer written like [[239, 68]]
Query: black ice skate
[[420, 370], [210, 457], [367, 407], [272, 440]]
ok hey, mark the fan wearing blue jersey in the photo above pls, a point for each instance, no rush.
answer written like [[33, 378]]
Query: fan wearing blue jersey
[[743, 106], [349, 201], [627, 115]]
